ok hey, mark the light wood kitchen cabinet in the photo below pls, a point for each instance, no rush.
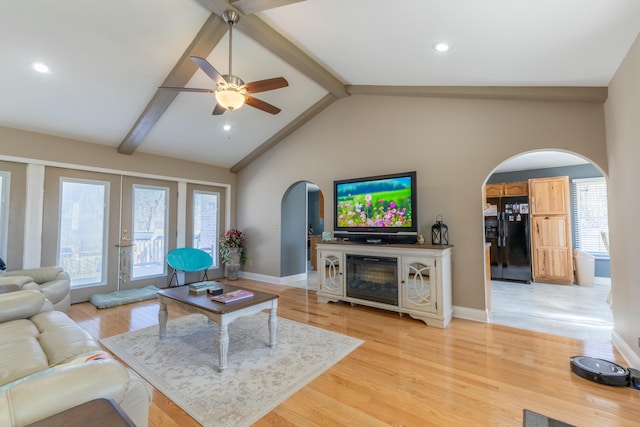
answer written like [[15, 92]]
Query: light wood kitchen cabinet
[[549, 196], [507, 189], [493, 190], [549, 206]]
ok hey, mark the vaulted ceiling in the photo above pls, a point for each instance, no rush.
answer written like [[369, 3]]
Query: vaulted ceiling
[[107, 60]]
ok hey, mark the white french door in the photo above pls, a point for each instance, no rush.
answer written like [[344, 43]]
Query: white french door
[[109, 232], [81, 229], [148, 231]]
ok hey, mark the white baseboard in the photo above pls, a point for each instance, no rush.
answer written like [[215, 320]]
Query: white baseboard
[[470, 314], [630, 356]]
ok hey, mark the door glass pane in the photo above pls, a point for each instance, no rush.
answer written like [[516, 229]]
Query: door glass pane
[[81, 248], [149, 231], [205, 223]]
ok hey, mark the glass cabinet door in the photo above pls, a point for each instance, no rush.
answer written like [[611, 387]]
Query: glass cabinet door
[[418, 284], [330, 274]]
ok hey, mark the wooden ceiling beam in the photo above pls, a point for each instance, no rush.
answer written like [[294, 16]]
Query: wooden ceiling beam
[[273, 41], [528, 93], [202, 45]]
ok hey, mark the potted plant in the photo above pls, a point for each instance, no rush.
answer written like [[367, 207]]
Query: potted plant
[[232, 252]]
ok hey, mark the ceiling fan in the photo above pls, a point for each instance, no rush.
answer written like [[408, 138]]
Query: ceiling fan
[[232, 92]]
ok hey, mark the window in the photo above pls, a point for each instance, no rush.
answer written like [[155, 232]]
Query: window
[[590, 216], [149, 230], [205, 223], [83, 230]]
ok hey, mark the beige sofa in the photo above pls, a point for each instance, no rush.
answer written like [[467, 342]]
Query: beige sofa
[[49, 364], [53, 282]]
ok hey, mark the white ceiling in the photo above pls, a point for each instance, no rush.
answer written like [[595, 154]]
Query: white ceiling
[[539, 160], [107, 60]]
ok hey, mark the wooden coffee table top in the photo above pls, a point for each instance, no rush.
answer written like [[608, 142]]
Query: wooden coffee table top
[[203, 300]]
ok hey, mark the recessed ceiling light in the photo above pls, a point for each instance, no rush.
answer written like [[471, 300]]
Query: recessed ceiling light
[[227, 127], [40, 67], [441, 47]]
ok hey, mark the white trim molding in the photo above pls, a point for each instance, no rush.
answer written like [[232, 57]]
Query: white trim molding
[[34, 210]]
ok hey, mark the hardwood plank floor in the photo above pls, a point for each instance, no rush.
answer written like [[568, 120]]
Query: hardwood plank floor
[[409, 374]]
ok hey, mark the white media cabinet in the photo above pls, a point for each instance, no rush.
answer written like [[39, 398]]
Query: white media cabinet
[[423, 275]]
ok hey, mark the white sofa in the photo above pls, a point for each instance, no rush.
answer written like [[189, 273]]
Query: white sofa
[[53, 282], [49, 364]]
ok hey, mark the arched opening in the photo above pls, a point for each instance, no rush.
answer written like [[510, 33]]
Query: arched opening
[[536, 302], [302, 223]]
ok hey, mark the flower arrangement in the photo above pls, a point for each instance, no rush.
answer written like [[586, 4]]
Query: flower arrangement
[[233, 239]]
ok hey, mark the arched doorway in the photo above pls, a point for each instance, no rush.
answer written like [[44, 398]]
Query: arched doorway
[[569, 309], [302, 219]]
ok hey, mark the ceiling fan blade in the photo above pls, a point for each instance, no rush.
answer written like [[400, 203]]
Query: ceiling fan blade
[[219, 109], [252, 6], [209, 70], [261, 105], [265, 85], [187, 89]]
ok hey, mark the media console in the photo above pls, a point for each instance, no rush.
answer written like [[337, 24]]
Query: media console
[[409, 279]]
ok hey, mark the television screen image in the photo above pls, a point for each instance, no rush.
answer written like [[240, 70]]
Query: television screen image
[[376, 204]]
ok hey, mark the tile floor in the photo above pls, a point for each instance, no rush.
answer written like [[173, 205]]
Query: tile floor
[[571, 311]]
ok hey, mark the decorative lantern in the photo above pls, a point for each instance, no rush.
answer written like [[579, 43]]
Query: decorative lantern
[[439, 232]]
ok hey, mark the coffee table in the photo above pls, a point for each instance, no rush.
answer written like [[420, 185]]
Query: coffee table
[[220, 313]]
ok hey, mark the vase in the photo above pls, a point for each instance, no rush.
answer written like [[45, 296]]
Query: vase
[[232, 266]]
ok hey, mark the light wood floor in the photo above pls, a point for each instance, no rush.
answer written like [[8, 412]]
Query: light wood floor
[[409, 374]]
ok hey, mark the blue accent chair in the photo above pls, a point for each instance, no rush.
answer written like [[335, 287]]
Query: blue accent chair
[[189, 260]]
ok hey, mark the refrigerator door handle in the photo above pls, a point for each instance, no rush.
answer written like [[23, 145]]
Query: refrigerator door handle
[[505, 229], [499, 229]]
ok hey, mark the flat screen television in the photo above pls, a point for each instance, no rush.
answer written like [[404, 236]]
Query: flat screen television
[[376, 209]]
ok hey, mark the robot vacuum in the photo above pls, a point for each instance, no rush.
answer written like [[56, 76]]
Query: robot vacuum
[[604, 372]]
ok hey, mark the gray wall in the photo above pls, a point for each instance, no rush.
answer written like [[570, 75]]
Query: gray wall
[[623, 133], [453, 144], [294, 231], [603, 268]]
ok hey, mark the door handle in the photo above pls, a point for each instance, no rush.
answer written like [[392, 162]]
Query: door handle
[[504, 229]]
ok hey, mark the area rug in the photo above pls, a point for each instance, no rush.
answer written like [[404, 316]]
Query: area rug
[[183, 366], [533, 419], [123, 297]]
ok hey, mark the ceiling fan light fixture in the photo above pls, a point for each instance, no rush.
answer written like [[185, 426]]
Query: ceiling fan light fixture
[[230, 99]]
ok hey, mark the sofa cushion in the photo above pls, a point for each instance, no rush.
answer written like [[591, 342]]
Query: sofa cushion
[[56, 290], [22, 305], [20, 358], [17, 330], [61, 338]]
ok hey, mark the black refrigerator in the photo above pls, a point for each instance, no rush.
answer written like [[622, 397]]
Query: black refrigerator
[[506, 225]]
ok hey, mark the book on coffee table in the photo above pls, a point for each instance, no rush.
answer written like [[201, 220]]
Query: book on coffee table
[[211, 287], [233, 296]]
